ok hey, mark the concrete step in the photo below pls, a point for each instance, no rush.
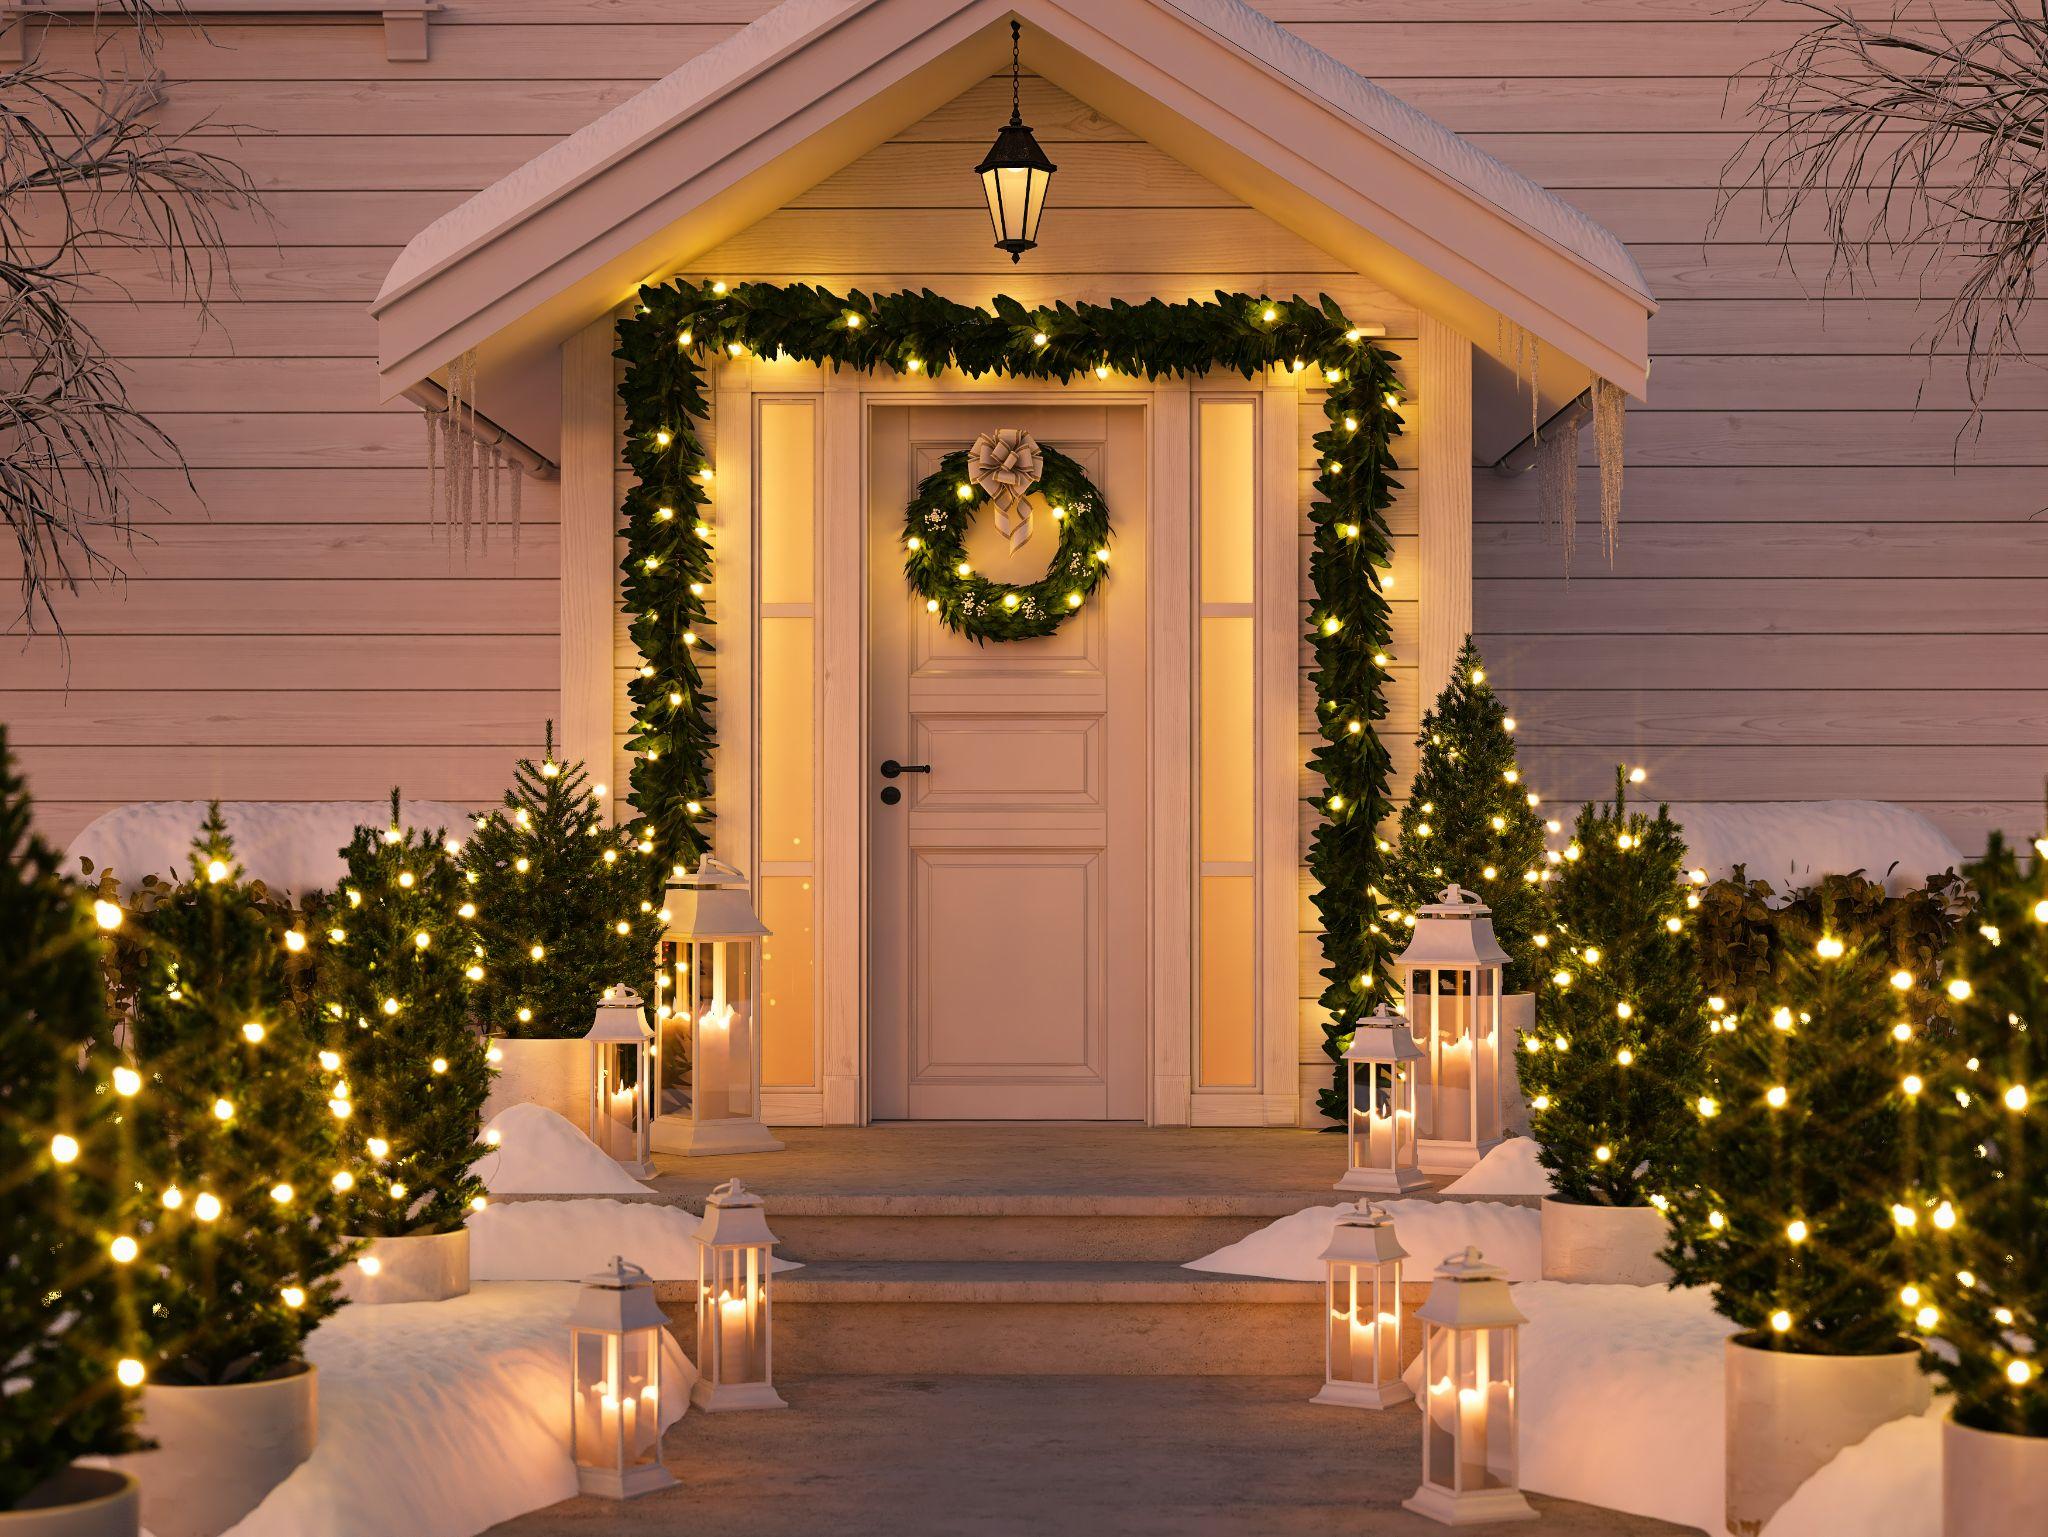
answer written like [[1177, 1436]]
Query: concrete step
[[982, 1318], [1018, 1228]]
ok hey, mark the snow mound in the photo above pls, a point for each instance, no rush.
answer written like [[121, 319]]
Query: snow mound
[[567, 1240], [1510, 1169], [1796, 842], [541, 1152], [293, 847], [439, 1419], [1289, 1249], [1886, 1485]]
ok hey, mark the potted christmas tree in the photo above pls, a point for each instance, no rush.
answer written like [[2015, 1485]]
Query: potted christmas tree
[[1808, 1189], [239, 1167], [392, 1007], [564, 908], [1614, 1075], [1981, 1262], [67, 1220], [1470, 821]]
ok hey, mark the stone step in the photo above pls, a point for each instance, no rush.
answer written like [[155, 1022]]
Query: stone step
[[982, 1318], [1018, 1228]]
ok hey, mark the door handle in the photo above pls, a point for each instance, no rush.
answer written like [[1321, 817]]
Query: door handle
[[891, 768]]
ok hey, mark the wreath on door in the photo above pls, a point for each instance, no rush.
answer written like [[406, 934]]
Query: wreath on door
[[1020, 478]]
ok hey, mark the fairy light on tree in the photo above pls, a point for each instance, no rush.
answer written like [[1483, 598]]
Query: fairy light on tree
[[238, 1276], [1982, 1272], [1614, 1074], [1809, 1195], [563, 904], [1469, 820], [68, 1222], [392, 1007]]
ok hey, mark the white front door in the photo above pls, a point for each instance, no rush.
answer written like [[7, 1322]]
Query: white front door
[[1009, 883]]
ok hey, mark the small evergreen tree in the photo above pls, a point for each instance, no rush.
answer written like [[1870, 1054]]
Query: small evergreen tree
[[564, 904], [65, 1310], [1982, 1271], [1469, 820], [396, 965], [1810, 1143], [235, 1130], [1614, 1073]]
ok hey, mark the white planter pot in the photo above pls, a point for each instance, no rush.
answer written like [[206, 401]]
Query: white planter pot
[[555, 1073], [1788, 1415], [1605, 1245], [80, 1502], [1517, 1024], [220, 1450], [423, 1267], [1992, 1484]]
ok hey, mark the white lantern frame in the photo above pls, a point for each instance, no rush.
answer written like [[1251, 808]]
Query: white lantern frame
[[1453, 976], [1470, 1417], [1362, 1358], [622, 1110], [735, 1303], [708, 1011], [1381, 1150], [616, 1332]]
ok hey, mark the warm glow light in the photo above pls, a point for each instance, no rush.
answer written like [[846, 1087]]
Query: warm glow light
[[129, 1372], [127, 1082], [107, 915]]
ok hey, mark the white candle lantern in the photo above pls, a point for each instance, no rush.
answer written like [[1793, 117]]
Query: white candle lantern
[[735, 1314], [621, 1080], [1362, 1349], [708, 1008], [1382, 1070], [615, 1338], [1469, 1427], [1453, 965]]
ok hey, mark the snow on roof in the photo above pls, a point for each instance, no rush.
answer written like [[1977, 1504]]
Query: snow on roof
[[721, 68]]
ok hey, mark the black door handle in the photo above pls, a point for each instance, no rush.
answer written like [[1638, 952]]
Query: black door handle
[[891, 768]]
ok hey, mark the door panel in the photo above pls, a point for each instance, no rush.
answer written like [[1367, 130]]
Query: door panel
[[1008, 901]]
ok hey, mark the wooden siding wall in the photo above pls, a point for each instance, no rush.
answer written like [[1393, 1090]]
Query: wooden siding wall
[[1821, 590]]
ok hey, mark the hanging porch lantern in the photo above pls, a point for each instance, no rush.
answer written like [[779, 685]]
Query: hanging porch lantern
[[1015, 173], [621, 1081], [1453, 966], [708, 1009], [735, 1318], [1382, 1069], [1362, 1349], [1469, 1428], [615, 1336]]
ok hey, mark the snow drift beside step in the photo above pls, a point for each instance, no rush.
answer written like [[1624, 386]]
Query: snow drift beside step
[[539, 1152], [439, 1419], [1510, 1169], [1289, 1248], [291, 846]]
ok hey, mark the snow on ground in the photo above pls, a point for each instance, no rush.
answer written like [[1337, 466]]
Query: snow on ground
[[291, 846], [1886, 1485], [1796, 842], [541, 1152], [439, 1419], [1289, 1249], [567, 1240], [1510, 1169]]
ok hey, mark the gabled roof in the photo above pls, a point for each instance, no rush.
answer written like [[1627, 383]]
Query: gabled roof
[[813, 84]]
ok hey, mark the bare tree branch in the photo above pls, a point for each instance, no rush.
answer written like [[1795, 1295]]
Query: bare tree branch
[[83, 173]]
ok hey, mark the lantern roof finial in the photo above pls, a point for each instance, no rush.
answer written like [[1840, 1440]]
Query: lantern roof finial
[[618, 1274]]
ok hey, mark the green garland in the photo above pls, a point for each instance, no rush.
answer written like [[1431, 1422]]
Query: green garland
[[668, 561], [935, 528]]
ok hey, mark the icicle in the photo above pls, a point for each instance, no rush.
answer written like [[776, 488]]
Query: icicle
[[1610, 407], [1557, 486], [471, 484]]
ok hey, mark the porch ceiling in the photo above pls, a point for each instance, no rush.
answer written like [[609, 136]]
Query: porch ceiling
[[740, 130]]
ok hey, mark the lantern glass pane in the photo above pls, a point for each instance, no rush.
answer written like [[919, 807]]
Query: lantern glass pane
[[1009, 201], [1037, 184], [1441, 1009], [1470, 1442], [639, 1396], [672, 1028], [992, 190], [710, 1041], [618, 1121], [1364, 1324], [732, 1315]]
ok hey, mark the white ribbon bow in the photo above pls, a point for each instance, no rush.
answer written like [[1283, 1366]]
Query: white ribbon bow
[[1005, 464]]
